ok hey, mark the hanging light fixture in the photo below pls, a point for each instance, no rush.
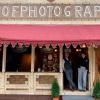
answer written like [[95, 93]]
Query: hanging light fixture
[[78, 48], [55, 50], [84, 46]]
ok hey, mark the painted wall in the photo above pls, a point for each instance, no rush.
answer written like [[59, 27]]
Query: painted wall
[[55, 1]]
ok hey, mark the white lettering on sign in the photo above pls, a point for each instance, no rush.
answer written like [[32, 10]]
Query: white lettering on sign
[[87, 11], [49, 11], [67, 12], [23, 10], [14, 10], [32, 11], [96, 11], [5, 11], [78, 11], [42, 11], [57, 11]]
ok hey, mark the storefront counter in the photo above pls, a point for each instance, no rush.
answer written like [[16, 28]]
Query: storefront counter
[[44, 80], [28, 83]]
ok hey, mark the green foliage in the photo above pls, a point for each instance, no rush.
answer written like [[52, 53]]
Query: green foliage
[[96, 90], [55, 90]]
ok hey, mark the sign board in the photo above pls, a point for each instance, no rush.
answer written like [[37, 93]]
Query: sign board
[[49, 12]]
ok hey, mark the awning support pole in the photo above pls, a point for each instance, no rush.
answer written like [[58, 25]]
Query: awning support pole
[[32, 58]]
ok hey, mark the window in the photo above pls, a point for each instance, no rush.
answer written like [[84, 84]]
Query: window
[[46, 59], [18, 59]]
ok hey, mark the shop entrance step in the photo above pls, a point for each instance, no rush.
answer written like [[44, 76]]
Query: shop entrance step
[[77, 97]]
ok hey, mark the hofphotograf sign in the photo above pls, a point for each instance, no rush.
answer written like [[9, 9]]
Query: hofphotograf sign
[[49, 11]]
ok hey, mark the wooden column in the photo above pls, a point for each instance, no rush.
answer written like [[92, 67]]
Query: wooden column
[[31, 86], [61, 60], [91, 53], [32, 58], [61, 69], [4, 59]]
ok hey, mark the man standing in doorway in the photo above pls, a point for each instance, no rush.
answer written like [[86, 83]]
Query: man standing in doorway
[[82, 72], [68, 71]]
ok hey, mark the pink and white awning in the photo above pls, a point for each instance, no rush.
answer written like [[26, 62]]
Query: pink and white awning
[[50, 34]]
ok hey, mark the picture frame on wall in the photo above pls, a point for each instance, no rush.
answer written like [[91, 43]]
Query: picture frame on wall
[[50, 57]]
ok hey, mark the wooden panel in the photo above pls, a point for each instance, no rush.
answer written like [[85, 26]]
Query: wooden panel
[[17, 79], [17, 83], [45, 79]]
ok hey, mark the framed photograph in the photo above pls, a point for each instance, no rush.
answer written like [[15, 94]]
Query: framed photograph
[[50, 57]]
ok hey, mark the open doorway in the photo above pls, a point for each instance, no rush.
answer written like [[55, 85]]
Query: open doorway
[[75, 55]]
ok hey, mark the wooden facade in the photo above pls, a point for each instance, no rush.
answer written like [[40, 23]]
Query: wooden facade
[[32, 83], [39, 83]]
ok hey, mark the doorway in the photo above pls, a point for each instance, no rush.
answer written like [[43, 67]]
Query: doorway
[[75, 56]]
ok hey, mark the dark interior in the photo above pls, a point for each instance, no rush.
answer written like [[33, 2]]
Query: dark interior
[[18, 59], [47, 59]]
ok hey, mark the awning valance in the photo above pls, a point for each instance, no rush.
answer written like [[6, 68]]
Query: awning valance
[[49, 34]]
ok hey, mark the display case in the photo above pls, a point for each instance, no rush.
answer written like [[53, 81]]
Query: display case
[[48, 60]]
